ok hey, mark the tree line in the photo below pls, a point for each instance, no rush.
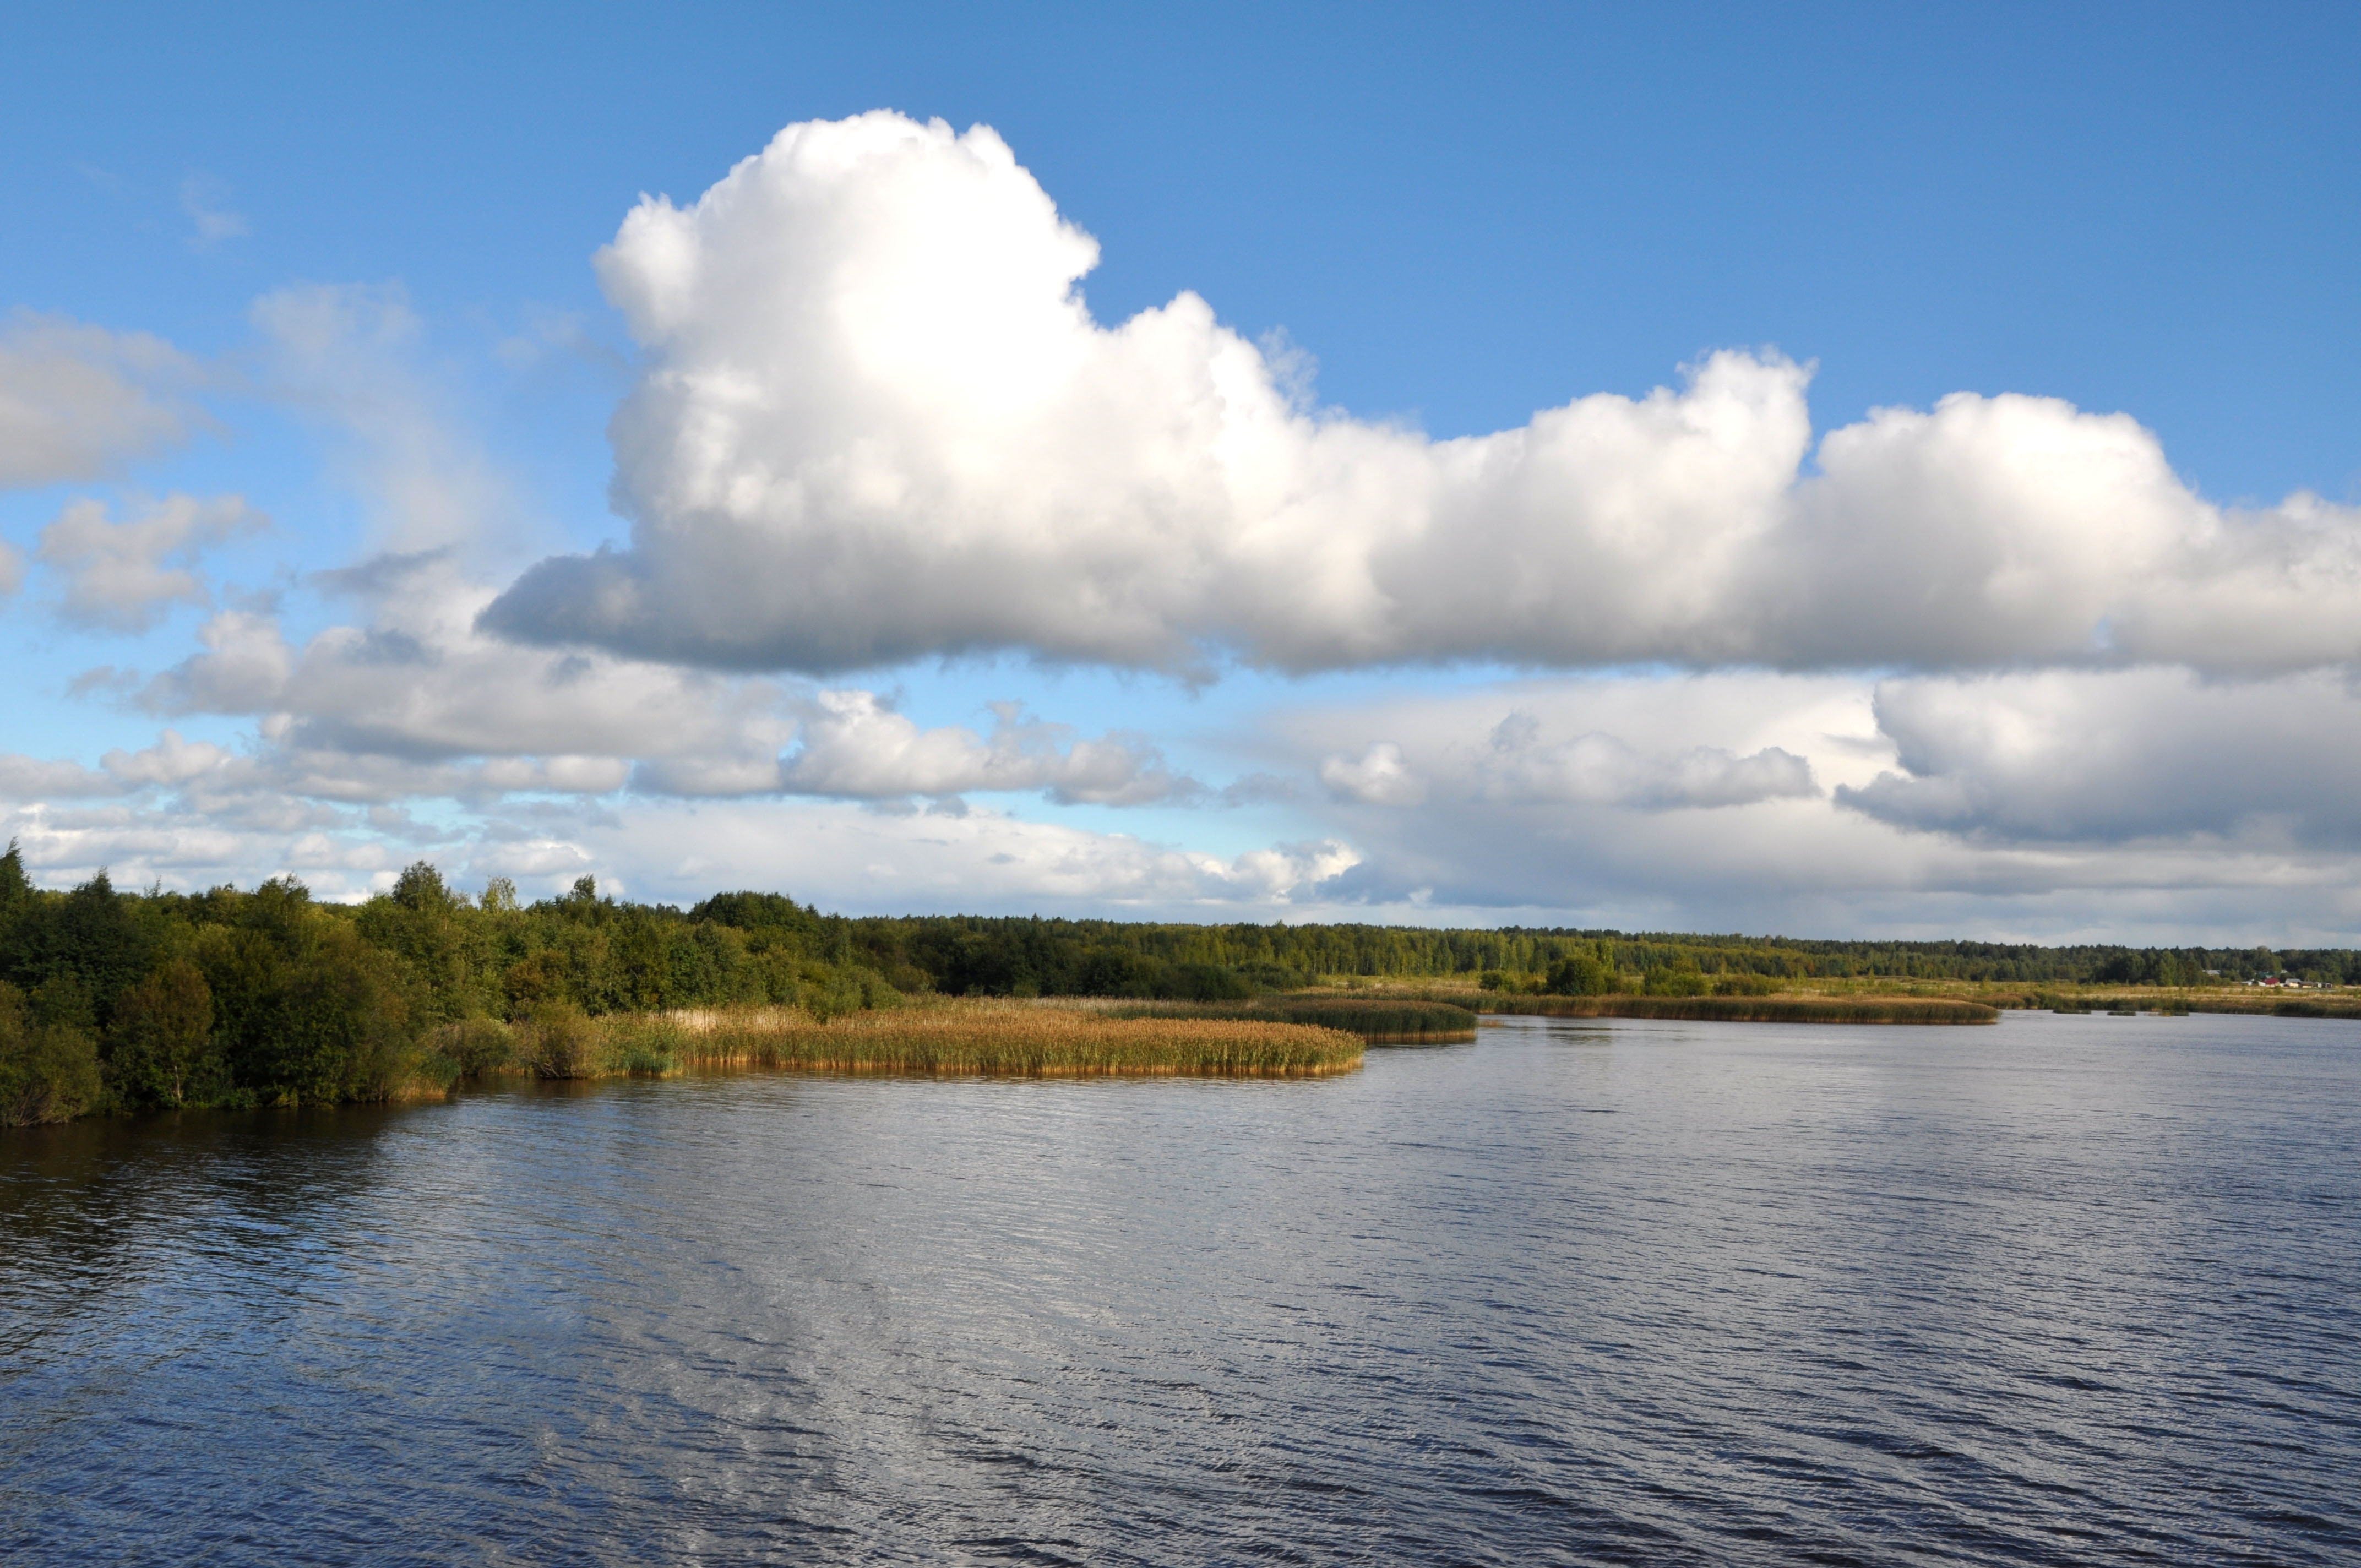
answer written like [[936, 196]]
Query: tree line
[[234, 997]]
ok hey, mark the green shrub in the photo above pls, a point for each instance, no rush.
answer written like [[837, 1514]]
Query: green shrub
[[1676, 982], [475, 1046], [48, 1065], [1582, 974], [555, 1040]]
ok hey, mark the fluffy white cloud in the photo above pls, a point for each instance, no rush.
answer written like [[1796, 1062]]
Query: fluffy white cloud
[[2005, 531], [877, 422], [1460, 758], [2140, 754], [36, 779], [1604, 769], [386, 691], [852, 745], [375, 713], [1376, 777], [76, 401], [172, 761], [123, 576]]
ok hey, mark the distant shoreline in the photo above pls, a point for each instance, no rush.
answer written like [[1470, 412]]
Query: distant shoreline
[[1747, 1009]]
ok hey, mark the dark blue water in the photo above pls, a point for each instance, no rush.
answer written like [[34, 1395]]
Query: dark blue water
[[2069, 1289]]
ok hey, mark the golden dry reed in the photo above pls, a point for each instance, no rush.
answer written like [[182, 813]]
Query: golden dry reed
[[977, 1038]]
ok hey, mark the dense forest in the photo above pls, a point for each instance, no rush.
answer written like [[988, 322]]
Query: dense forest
[[229, 997]]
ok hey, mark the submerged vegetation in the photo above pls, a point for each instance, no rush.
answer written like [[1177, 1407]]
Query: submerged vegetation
[[156, 1000]]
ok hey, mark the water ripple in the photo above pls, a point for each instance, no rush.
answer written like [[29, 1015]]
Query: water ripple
[[2062, 1291]]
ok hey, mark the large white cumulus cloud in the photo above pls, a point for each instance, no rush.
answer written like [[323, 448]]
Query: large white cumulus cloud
[[876, 422]]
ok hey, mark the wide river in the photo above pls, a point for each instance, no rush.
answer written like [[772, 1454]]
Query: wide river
[[2064, 1290]]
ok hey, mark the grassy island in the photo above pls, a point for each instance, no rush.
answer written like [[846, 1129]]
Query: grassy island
[[935, 1039]]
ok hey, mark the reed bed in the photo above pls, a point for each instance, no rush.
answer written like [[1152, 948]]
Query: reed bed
[[1750, 1009], [979, 1038], [1376, 1020], [2170, 1006]]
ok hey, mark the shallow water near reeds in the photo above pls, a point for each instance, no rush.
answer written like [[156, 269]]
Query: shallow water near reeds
[[2067, 1289]]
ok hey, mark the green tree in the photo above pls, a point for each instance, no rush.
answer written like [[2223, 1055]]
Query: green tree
[[16, 897], [93, 934], [339, 1029], [158, 1049], [422, 922]]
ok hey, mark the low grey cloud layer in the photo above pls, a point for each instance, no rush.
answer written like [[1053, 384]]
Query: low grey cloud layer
[[877, 423]]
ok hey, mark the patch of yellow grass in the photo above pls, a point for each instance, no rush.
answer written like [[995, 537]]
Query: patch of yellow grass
[[984, 1038]]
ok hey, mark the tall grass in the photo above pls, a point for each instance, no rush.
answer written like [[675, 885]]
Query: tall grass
[[1376, 1020], [944, 1038]]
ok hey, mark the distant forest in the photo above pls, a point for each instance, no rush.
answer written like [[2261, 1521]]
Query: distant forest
[[231, 997]]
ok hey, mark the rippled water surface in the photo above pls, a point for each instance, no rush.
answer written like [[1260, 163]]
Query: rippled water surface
[[2069, 1289]]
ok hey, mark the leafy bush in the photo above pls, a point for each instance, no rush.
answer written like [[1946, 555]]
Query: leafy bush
[[1676, 982], [555, 1040], [48, 1064], [1583, 974], [475, 1046]]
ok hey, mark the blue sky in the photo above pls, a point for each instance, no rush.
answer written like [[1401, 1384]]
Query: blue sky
[[368, 244]]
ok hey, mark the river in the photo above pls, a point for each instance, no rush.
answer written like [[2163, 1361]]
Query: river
[[2068, 1289]]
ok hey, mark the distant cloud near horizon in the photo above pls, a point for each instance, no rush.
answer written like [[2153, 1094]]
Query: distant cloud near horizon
[[876, 423]]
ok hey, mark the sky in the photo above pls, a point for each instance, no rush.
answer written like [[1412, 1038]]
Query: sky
[[1828, 470]]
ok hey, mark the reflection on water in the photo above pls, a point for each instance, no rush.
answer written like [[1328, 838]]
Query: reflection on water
[[2071, 1289]]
